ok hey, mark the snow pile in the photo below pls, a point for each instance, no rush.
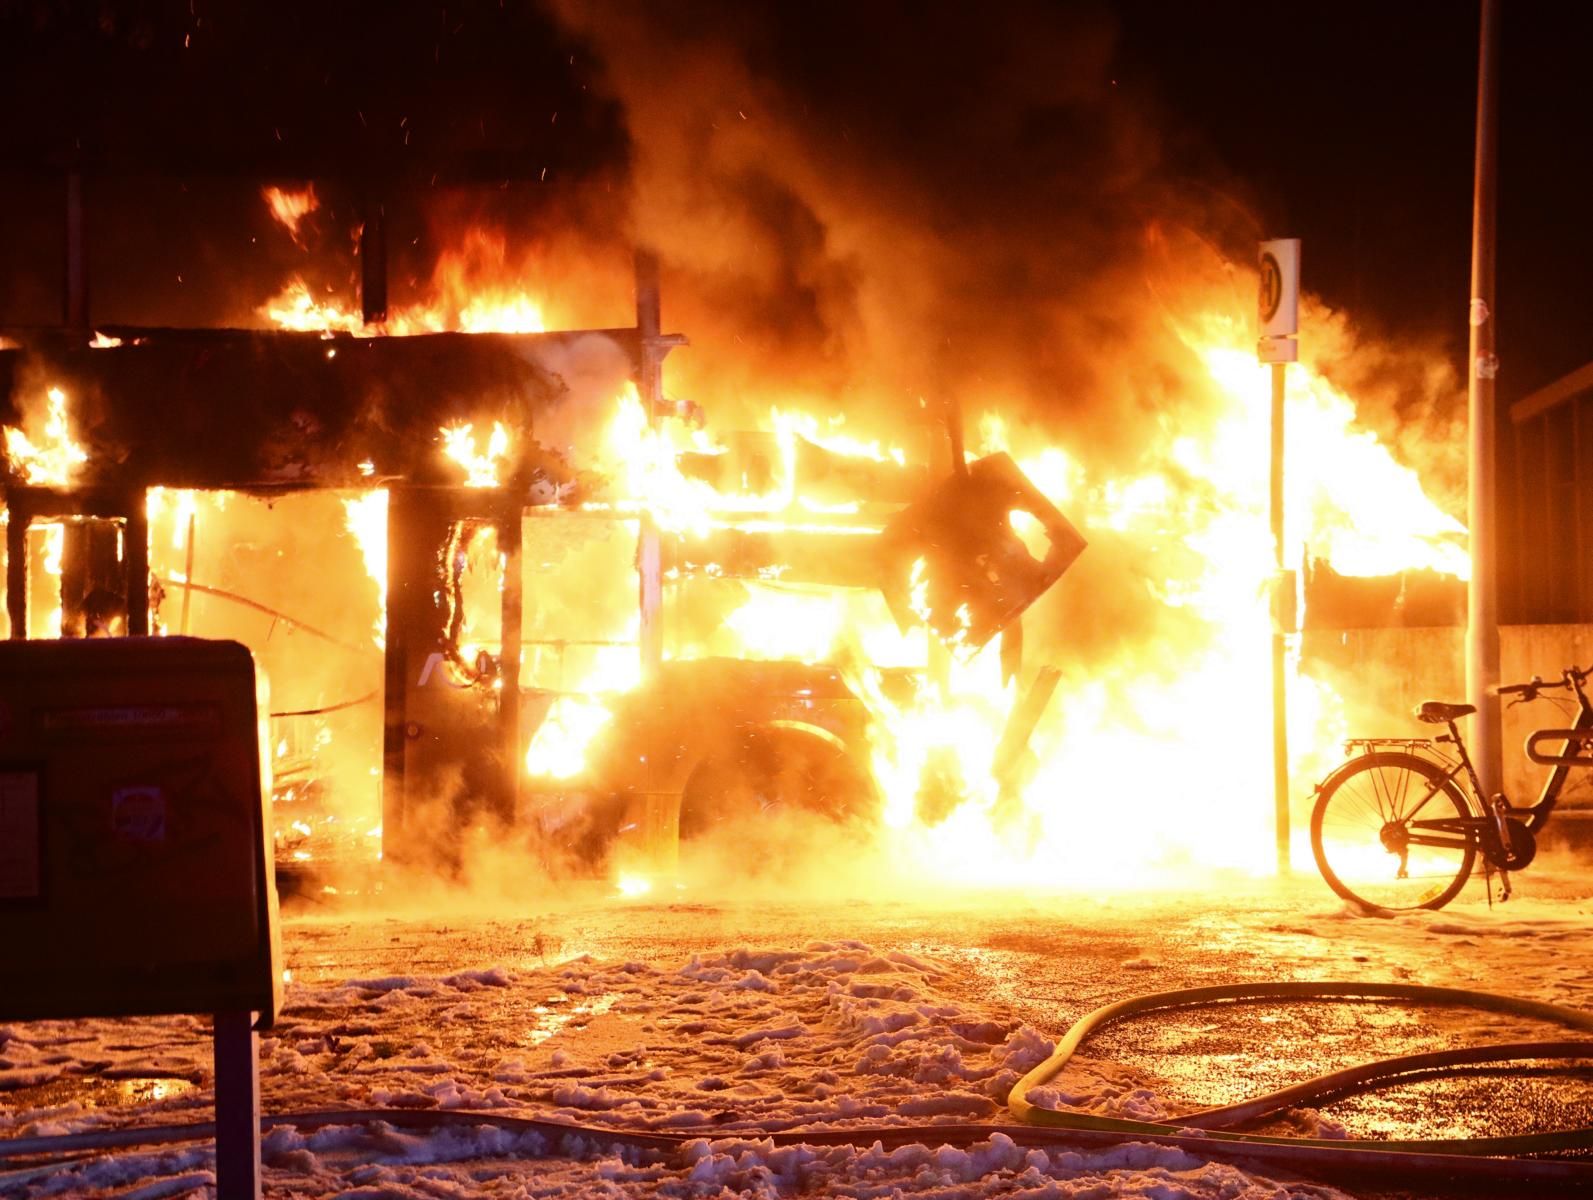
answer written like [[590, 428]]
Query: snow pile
[[995, 1166]]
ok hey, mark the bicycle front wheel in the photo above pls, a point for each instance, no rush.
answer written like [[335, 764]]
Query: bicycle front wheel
[[1372, 839]]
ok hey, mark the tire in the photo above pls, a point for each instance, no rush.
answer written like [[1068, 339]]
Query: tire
[[771, 773], [1364, 804]]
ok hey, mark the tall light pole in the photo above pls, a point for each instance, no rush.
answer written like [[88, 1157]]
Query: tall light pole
[[1482, 627]]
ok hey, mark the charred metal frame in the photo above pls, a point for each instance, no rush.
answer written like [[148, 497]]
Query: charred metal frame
[[422, 512], [430, 708], [295, 421], [28, 506]]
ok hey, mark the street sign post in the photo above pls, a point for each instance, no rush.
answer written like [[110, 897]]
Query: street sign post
[[1278, 318]]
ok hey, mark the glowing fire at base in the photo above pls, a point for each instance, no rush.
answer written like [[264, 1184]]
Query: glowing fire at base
[[633, 885]]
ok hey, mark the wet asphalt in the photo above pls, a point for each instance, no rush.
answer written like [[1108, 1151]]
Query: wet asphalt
[[1047, 960]]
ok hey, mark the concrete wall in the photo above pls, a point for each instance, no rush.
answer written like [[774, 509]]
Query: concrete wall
[[1385, 673]]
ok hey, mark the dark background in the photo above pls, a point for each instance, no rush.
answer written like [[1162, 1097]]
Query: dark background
[[1354, 124]]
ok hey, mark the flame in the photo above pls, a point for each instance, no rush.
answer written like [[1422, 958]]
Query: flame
[[184, 515], [1166, 736], [51, 551], [1172, 711], [827, 434], [473, 290], [1347, 500], [366, 520], [288, 209], [558, 748], [296, 307], [55, 458], [481, 467], [631, 886], [1148, 742], [473, 588], [642, 457]]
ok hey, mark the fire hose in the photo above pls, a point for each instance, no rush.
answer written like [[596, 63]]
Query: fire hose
[[1202, 1132], [1208, 1133]]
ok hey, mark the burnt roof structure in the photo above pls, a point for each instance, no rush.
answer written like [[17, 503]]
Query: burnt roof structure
[[246, 409]]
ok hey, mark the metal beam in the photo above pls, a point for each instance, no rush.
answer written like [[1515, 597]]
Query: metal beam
[[74, 288], [650, 383], [510, 529], [373, 260], [1552, 396], [17, 518]]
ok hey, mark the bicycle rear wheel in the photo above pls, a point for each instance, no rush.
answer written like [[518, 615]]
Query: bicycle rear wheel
[[1361, 833]]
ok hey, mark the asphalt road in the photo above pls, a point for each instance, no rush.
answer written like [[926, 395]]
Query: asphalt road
[[1047, 959]]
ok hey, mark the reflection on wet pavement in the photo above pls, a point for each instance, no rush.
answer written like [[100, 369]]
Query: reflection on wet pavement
[[1048, 960], [556, 1012]]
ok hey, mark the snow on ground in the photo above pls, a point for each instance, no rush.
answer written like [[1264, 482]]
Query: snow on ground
[[661, 1029], [721, 1047]]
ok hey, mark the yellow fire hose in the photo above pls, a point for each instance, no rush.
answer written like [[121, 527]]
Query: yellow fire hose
[[1200, 1129]]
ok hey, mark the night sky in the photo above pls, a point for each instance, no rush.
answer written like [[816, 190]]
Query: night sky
[[1352, 126], [1349, 125]]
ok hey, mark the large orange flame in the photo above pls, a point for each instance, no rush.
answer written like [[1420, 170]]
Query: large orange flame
[[1155, 754]]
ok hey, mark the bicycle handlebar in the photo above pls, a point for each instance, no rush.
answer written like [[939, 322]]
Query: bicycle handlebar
[[1570, 677], [1524, 689]]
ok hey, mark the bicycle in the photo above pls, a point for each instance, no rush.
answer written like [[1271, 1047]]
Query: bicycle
[[1401, 825]]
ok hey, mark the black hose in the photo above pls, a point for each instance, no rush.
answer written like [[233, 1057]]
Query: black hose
[[332, 708]]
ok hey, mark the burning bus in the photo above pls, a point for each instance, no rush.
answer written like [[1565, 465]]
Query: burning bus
[[554, 600], [506, 587]]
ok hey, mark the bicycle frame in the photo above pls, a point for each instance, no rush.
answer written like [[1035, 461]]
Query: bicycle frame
[[1580, 733], [1477, 829]]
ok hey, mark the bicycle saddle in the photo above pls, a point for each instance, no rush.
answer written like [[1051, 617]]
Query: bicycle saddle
[[1436, 712]]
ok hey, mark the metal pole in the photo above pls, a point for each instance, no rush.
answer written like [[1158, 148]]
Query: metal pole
[[1280, 712], [650, 576], [406, 562], [510, 535], [17, 520], [188, 577], [135, 549], [1482, 630], [237, 1066], [74, 296], [373, 260]]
